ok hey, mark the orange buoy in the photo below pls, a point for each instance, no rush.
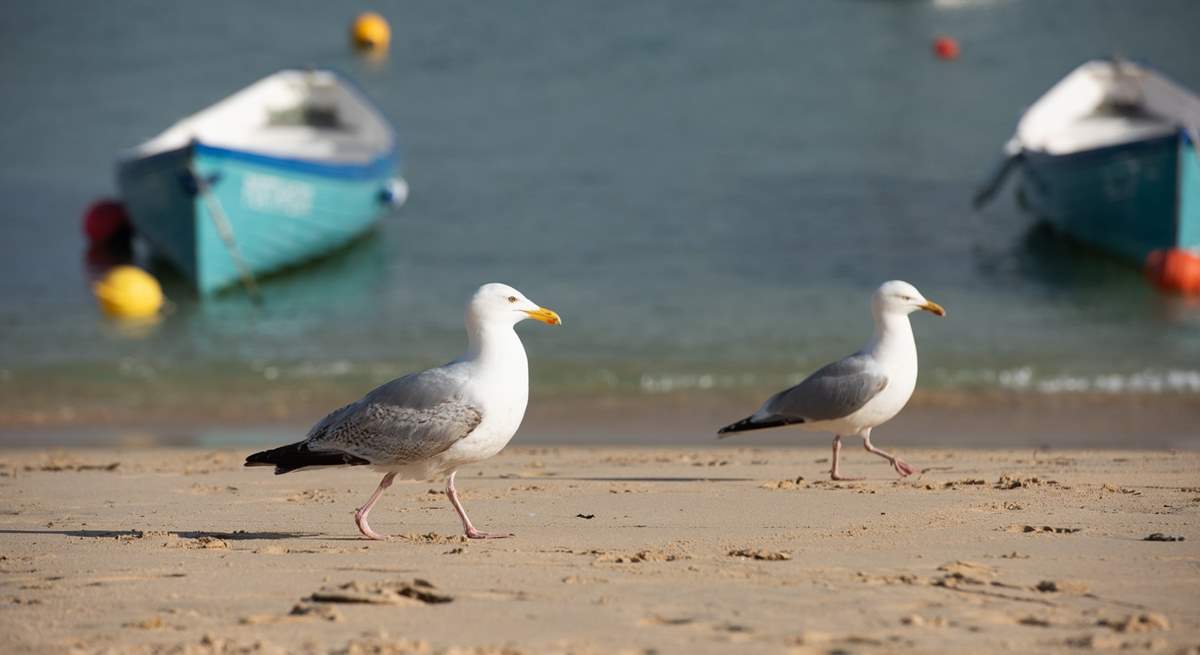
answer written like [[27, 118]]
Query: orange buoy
[[946, 48], [370, 32], [1175, 269]]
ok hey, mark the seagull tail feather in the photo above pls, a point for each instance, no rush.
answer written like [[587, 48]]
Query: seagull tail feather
[[296, 456], [749, 423]]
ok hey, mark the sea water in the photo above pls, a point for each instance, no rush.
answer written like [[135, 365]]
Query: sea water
[[707, 192]]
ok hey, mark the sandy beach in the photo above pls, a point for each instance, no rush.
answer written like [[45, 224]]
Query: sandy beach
[[616, 550]]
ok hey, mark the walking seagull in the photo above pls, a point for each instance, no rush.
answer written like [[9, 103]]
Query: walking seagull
[[853, 395], [428, 424]]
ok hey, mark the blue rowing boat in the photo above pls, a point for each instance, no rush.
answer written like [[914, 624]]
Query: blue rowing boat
[[1109, 157], [288, 169]]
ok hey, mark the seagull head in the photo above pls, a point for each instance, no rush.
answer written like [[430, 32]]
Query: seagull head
[[897, 297], [502, 304]]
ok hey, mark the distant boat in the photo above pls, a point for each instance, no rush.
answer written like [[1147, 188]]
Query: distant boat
[[1109, 156], [283, 171]]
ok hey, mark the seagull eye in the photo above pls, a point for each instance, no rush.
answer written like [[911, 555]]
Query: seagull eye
[[906, 297], [512, 299]]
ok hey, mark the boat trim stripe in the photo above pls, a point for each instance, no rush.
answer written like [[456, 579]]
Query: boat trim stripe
[[381, 166]]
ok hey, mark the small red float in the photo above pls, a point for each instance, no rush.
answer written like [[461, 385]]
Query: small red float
[[104, 221], [1175, 269], [945, 47]]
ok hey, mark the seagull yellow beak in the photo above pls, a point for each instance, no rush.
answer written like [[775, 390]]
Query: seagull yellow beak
[[544, 315], [933, 308]]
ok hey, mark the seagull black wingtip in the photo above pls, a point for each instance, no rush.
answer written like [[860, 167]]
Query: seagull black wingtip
[[296, 456], [747, 424]]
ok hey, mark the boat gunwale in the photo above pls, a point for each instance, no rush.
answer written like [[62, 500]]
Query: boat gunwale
[[1102, 151], [388, 161], [385, 165]]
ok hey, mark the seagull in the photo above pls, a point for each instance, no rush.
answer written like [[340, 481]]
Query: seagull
[[426, 425], [857, 393]]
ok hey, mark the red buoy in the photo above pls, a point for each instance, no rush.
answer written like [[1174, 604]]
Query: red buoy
[[945, 47], [1175, 269], [104, 221]]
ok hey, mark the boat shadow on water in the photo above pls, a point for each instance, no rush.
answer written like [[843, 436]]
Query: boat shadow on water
[[1055, 263], [1048, 256], [347, 279], [1044, 260]]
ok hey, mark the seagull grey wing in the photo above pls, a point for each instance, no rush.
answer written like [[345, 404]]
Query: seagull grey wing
[[834, 391], [406, 420], [331, 419], [423, 390]]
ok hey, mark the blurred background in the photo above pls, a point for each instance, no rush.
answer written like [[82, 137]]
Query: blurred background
[[706, 192]]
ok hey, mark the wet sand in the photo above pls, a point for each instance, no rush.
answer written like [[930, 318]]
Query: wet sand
[[661, 550], [690, 419]]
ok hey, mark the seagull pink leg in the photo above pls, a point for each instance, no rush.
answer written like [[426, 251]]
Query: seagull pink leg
[[360, 515], [470, 530], [834, 473], [900, 465]]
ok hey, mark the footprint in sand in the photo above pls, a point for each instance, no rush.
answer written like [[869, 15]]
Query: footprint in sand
[[395, 592], [1042, 529], [760, 554]]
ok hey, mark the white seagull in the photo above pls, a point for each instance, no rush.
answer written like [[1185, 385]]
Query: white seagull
[[853, 395], [428, 424]]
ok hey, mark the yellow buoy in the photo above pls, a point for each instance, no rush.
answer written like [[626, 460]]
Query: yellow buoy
[[128, 292], [370, 31]]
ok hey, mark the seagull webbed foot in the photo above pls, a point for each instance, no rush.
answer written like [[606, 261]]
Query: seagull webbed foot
[[902, 467]]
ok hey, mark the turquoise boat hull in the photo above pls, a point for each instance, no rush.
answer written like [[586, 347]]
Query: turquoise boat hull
[[1127, 199], [282, 212]]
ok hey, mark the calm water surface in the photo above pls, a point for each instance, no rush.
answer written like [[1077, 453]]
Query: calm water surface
[[707, 192]]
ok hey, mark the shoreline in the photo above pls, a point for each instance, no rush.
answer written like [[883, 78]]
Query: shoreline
[[932, 419]]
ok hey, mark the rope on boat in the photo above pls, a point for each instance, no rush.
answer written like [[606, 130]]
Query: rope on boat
[[225, 231]]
